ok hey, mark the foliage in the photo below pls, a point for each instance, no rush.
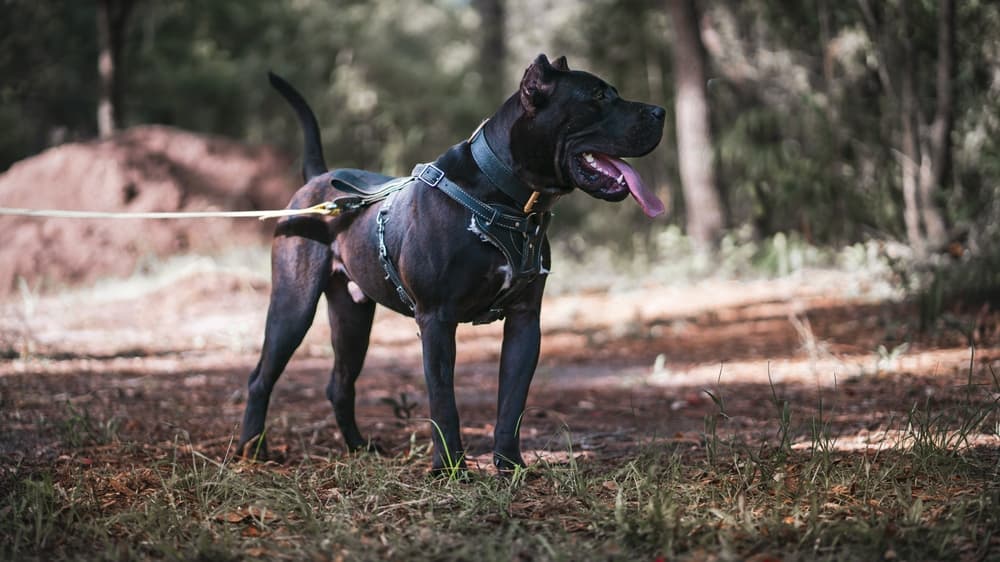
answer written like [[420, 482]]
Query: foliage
[[48, 60], [806, 137], [949, 283], [385, 94]]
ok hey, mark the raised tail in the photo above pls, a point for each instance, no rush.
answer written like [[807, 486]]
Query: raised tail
[[312, 155]]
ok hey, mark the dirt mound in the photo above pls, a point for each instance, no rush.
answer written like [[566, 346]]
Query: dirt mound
[[149, 168]]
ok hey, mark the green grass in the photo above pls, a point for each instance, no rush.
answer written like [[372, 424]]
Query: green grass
[[931, 495], [77, 427]]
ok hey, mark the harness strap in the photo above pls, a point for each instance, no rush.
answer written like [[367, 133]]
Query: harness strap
[[391, 273], [354, 202], [518, 237], [489, 214]]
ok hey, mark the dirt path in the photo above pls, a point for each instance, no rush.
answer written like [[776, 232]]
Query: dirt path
[[156, 363]]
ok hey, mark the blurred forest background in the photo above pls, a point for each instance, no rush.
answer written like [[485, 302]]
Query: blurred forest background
[[818, 122]]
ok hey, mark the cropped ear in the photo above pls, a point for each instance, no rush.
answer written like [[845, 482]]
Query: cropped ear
[[561, 64], [536, 85]]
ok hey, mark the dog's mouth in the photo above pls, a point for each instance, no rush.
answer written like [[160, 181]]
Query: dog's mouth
[[610, 178]]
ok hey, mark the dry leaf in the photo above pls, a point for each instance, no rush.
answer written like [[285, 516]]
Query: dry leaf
[[262, 514], [120, 487], [233, 516]]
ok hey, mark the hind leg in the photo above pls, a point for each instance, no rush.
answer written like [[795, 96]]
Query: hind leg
[[300, 268], [350, 327]]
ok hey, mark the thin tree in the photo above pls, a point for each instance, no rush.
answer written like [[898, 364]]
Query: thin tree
[[492, 48], [925, 147], [702, 202], [112, 19], [935, 162]]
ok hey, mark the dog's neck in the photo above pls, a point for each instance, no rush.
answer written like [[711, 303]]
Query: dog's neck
[[500, 173], [459, 164], [498, 128]]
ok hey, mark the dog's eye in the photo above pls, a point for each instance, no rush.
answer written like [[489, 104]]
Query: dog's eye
[[599, 95]]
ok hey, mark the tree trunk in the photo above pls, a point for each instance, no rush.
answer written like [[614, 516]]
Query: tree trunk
[[909, 111], [112, 17], [925, 158], [936, 161], [702, 202], [910, 158], [492, 49]]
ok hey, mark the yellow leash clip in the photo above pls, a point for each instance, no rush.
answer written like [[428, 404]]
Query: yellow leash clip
[[327, 208]]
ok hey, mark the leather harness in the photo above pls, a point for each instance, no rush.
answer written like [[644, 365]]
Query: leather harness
[[517, 233]]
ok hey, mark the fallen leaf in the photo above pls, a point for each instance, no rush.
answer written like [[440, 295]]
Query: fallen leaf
[[763, 557], [575, 526], [234, 516], [840, 490], [120, 486], [251, 513], [262, 514]]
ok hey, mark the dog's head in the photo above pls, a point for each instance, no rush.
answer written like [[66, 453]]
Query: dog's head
[[575, 129]]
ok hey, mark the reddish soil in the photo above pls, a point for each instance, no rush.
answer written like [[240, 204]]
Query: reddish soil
[[151, 168], [170, 361]]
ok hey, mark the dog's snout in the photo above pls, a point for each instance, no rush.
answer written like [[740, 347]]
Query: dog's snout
[[657, 112]]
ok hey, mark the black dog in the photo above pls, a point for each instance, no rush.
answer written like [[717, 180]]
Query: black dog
[[461, 240]]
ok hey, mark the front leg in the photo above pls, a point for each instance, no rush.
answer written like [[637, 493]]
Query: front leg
[[438, 339], [518, 359]]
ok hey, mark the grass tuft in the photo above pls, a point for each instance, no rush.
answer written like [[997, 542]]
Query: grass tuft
[[793, 493]]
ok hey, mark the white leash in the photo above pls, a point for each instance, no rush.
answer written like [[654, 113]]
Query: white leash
[[328, 208]]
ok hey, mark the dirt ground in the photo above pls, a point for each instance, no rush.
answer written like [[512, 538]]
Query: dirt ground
[[147, 168], [84, 371], [167, 357]]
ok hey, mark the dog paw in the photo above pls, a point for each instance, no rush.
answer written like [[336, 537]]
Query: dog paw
[[460, 473], [442, 468], [253, 449], [508, 463]]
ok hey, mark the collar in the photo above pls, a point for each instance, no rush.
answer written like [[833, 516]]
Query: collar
[[499, 174]]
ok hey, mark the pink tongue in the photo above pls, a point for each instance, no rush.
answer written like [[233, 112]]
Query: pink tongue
[[649, 202]]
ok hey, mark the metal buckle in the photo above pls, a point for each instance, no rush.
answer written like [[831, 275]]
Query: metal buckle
[[383, 253], [430, 174], [536, 219]]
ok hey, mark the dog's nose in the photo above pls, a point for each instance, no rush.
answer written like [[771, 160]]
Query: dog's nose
[[657, 112]]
